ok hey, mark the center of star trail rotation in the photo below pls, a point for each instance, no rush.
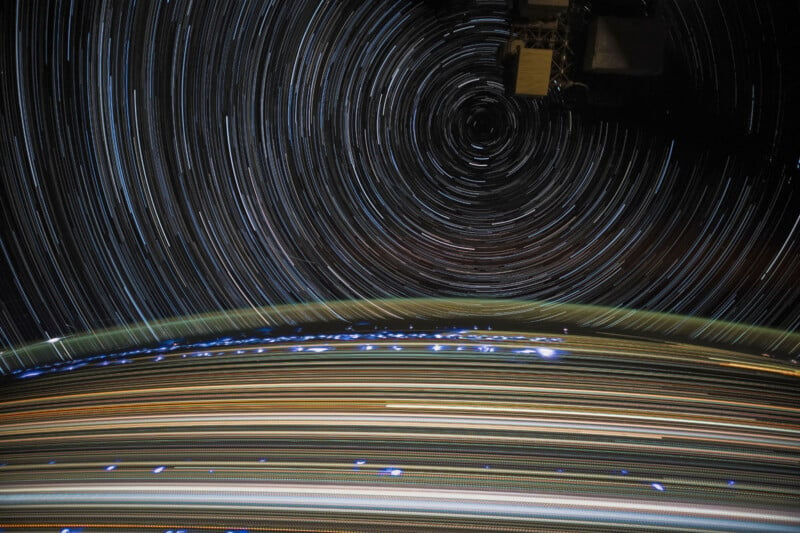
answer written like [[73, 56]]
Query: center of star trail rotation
[[171, 158]]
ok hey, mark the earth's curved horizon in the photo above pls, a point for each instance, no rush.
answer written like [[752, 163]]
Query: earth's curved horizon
[[426, 313], [418, 425]]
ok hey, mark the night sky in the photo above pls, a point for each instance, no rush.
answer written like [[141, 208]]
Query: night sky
[[163, 159]]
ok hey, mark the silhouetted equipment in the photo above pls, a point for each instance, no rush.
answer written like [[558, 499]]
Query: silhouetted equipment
[[632, 46], [533, 71], [601, 52], [536, 53]]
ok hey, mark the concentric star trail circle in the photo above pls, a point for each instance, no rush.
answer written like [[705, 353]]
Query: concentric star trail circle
[[168, 159]]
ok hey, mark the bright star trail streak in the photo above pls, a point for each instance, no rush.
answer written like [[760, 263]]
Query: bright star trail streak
[[377, 429]]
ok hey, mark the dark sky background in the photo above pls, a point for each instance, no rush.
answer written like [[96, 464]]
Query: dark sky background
[[162, 159]]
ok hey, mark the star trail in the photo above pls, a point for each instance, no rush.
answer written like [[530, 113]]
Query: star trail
[[169, 158], [312, 266]]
